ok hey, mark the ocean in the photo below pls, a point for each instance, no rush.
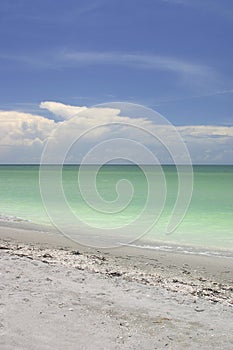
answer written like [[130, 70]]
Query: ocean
[[207, 227]]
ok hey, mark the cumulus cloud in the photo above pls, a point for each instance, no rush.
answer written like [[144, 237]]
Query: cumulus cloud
[[206, 143], [23, 135], [60, 110], [209, 143]]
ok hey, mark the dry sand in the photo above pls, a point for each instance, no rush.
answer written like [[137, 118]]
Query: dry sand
[[56, 295]]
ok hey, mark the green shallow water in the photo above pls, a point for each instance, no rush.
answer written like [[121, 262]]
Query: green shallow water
[[208, 222]]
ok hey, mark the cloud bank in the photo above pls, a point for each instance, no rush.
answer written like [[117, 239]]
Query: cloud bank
[[24, 135]]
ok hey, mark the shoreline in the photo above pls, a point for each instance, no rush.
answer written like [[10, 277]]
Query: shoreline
[[146, 245], [177, 269]]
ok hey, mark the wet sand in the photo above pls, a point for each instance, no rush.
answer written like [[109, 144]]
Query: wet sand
[[56, 294]]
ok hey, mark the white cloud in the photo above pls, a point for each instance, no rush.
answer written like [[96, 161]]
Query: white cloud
[[206, 131], [209, 144], [60, 110], [152, 62], [193, 75], [62, 59], [206, 143], [23, 135]]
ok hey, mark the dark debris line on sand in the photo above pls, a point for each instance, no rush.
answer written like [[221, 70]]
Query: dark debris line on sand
[[184, 282]]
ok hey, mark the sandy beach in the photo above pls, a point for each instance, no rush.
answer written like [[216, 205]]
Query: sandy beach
[[58, 295]]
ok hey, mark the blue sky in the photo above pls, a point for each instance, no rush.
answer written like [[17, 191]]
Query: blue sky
[[171, 55]]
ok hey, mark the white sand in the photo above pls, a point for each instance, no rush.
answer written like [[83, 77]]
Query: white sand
[[54, 299]]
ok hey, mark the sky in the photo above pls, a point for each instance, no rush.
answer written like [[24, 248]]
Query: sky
[[174, 56]]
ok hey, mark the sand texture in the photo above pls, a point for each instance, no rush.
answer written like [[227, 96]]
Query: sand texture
[[58, 297]]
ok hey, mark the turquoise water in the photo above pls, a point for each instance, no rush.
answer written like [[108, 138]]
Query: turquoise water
[[208, 222]]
